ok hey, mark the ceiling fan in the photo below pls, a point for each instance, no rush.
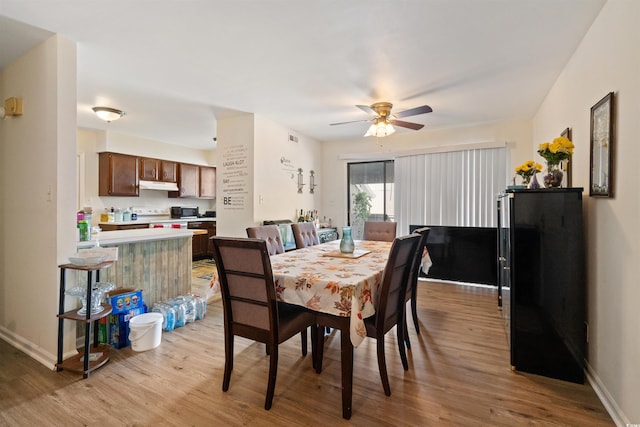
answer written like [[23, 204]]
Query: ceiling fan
[[383, 118]]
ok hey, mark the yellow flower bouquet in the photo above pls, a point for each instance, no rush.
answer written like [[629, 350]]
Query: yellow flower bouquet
[[555, 152], [527, 170], [560, 149]]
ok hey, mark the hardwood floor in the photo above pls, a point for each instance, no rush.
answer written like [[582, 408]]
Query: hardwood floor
[[459, 376]]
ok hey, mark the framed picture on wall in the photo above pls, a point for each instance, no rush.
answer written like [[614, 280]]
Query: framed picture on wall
[[566, 164], [602, 147]]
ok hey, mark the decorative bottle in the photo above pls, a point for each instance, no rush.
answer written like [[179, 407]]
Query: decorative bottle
[[346, 244]]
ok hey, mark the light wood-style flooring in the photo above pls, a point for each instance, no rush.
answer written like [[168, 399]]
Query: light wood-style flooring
[[459, 376]]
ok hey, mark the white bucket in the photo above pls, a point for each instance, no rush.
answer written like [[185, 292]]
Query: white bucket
[[145, 331]]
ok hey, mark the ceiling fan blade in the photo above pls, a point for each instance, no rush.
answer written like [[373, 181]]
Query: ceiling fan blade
[[414, 126], [367, 109], [344, 123], [413, 111]]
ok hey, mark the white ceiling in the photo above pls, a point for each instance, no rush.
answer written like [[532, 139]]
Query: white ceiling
[[176, 66]]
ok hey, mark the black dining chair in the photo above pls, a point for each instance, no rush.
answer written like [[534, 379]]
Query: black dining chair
[[412, 281], [389, 310], [250, 307]]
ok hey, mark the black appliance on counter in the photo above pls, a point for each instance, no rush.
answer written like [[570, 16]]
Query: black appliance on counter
[[184, 212]]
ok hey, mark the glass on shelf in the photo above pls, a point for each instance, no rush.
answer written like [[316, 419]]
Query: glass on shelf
[[98, 291]]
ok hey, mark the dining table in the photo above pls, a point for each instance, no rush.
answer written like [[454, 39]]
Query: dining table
[[342, 290]]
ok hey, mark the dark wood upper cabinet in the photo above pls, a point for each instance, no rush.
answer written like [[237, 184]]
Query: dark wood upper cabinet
[[188, 181], [168, 171], [207, 182], [118, 175], [157, 170], [149, 169]]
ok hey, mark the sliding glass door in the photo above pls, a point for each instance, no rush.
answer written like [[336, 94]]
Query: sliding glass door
[[371, 193]]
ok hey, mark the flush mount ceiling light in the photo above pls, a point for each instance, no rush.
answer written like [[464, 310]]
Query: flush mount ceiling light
[[380, 128], [108, 114]]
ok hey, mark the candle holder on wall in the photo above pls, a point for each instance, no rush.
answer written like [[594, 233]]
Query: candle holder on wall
[[300, 180], [312, 182]]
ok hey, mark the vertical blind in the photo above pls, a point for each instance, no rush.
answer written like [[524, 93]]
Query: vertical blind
[[456, 188]]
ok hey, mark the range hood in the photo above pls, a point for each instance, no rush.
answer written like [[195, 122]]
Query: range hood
[[158, 185]]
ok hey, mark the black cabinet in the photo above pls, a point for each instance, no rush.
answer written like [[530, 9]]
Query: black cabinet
[[542, 282]]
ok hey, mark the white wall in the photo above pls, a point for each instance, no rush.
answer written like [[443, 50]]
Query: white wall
[[336, 154], [270, 187], [608, 59], [275, 167], [233, 132], [38, 174]]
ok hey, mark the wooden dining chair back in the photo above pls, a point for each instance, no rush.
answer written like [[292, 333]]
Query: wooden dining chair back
[[270, 234], [381, 231], [412, 282], [305, 234], [390, 304], [249, 303]]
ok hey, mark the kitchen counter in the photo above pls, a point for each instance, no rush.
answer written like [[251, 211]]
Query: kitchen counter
[[162, 220], [110, 238], [155, 260]]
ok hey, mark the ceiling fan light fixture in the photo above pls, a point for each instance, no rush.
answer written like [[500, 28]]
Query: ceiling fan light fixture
[[108, 114], [380, 129]]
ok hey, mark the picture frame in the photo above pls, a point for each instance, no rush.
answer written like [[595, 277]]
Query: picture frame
[[566, 165], [602, 138]]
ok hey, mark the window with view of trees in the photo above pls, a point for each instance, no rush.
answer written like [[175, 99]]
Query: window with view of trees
[[370, 193]]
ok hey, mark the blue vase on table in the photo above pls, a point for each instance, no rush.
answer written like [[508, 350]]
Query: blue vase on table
[[346, 244]]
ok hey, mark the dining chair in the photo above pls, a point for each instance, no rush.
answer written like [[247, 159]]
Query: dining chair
[[390, 306], [382, 231], [269, 233], [250, 307], [412, 282], [305, 234]]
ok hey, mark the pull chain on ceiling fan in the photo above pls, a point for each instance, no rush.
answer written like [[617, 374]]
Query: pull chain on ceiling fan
[[382, 123]]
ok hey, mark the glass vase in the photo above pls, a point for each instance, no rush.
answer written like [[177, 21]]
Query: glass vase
[[553, 177], [534, 182], [347, 246]]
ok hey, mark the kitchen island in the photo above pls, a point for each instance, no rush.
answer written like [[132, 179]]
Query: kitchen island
[[156, 260]]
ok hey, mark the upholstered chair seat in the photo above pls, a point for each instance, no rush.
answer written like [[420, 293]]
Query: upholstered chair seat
[[305, 234], [270, 234], [381, 231]]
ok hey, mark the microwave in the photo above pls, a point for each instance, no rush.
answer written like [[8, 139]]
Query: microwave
[[184, 212]]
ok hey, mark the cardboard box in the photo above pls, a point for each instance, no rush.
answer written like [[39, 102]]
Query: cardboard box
[[124, 299], [118, 326]]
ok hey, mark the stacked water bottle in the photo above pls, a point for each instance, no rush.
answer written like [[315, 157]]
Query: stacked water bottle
[[179, 311]]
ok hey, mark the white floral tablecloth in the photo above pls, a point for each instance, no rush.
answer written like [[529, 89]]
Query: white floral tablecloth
[[334, 285]]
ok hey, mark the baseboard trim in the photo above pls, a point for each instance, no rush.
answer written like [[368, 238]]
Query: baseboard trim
[[30, 349], [605, 397]]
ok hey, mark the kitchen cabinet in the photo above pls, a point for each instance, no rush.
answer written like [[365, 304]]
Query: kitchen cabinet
[[157, 170], [92, 356], [188, 181], [203, 245], [199, 244], [541, 280], [168, 171], [118, 175], [207, 182]]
